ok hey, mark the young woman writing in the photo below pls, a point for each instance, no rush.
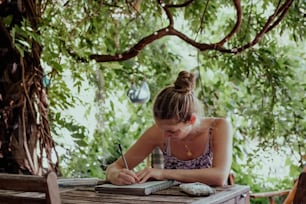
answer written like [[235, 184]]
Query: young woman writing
[[195, 148]]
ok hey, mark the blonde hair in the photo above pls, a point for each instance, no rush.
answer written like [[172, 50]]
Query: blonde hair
[[178, 101]]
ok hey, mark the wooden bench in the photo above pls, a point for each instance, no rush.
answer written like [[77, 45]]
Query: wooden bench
[[296, 195], [29, 189], [270, 195]]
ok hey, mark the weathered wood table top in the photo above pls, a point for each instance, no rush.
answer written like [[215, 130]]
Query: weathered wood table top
[[236, 194]]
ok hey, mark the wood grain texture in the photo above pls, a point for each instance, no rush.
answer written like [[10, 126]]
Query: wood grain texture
[[28, 189], [236, 194]]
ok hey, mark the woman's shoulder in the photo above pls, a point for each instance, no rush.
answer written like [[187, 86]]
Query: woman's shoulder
[[216, 121], [222, 127], [153, 133]]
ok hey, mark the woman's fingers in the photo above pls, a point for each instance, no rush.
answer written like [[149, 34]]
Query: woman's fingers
[[128, 177], [144, 175], [149, 173], [144, 179]]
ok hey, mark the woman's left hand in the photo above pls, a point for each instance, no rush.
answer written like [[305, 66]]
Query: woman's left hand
[[148, 173]]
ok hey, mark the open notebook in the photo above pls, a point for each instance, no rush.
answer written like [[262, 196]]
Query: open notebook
[[136, 189]]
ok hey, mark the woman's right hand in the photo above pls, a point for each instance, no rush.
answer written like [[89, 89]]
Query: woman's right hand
[[121, 176]]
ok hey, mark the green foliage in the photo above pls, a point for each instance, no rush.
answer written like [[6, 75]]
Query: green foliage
[[22, 35], [262, 90]]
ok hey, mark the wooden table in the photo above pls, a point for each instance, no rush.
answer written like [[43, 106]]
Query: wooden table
[[236, 194]]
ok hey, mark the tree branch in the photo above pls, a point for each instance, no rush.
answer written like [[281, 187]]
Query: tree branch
[[167, 11], [135, 49], [186, 3], [266, 28], [237, 25], [171, 31], [283, 10]]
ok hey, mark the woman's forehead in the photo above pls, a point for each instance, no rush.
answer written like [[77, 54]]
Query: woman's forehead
[[168, 124]]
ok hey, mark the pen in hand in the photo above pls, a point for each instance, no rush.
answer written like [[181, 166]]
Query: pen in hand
[[122, 156]]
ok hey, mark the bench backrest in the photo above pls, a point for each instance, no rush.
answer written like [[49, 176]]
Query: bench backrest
[[15, 188]]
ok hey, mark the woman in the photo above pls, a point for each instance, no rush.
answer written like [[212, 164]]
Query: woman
[[195, 149]]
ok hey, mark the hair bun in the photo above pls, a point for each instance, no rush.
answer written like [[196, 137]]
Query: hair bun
[[185, 82]]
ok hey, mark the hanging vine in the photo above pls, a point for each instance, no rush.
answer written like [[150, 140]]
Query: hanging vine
[[25, 139]]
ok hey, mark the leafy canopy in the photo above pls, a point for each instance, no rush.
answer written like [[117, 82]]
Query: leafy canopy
[[255, 77]]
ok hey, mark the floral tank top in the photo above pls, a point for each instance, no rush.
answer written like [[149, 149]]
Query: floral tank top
[[201, 162]]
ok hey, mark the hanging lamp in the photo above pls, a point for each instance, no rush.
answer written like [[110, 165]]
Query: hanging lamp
[[139, 94]]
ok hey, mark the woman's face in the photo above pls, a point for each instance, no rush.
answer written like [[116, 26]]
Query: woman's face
[[171, 128]]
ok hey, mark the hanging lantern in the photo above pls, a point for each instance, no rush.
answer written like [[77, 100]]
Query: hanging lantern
[[139, 94]]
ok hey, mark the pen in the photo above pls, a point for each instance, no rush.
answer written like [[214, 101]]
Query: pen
[[122, 156]]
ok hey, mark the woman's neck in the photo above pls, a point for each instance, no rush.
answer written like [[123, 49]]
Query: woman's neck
[[198, 129]]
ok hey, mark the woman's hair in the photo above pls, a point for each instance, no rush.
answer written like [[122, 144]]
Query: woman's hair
[[178, 101]]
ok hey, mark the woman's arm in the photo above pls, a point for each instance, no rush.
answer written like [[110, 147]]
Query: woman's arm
[[222, 159], [116, 172]]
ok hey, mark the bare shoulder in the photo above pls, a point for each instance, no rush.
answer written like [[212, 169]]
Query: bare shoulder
[[216, 121], [223, 127], [219, 124], [153, 135], [222, 122]]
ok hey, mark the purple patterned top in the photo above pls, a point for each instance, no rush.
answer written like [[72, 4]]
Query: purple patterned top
[[201, 162]]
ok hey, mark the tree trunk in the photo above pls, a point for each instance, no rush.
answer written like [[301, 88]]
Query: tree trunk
[[25, 139]]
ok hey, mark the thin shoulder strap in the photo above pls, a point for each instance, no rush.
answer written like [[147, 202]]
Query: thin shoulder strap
[[210, 133], [211, 128]]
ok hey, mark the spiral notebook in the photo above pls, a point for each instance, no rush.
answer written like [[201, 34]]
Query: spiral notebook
[[146, 188]]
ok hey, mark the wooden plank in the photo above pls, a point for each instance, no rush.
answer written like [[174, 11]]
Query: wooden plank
[[78, 202], [52, 193], [173, 195], [225, 195], [18, 197], [269, 194], [21, 182], [8, 192], [120, 198], [29, 189], [21, 200]]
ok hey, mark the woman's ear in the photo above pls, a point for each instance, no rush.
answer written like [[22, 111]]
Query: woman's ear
[[193, 119]]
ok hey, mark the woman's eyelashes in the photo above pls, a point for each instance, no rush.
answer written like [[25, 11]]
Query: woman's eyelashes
[[171, 132]]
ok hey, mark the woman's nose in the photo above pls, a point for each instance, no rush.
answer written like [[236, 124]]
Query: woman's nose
[[168, 134]]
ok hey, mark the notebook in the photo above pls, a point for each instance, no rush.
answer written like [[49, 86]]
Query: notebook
[[146, 188], [71, 182]]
